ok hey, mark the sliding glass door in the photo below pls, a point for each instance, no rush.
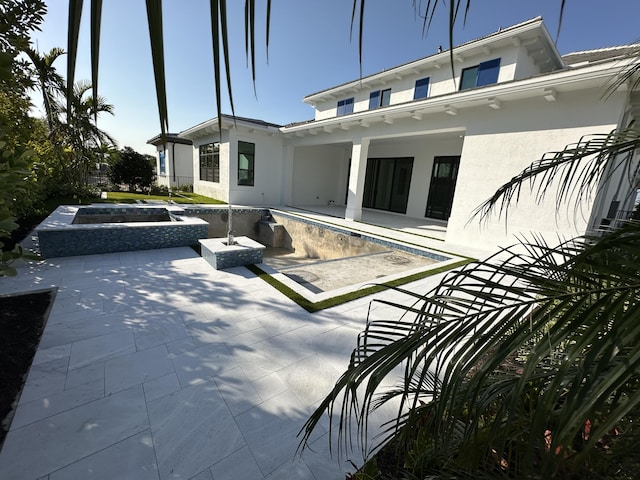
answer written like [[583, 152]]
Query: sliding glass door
[[387, 183]]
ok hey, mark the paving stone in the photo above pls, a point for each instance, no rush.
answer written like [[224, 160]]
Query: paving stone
[[73, 435], [135, 368], [131, 459], [192, 429], [101, 348]]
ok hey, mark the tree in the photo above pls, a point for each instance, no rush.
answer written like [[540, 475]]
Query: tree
[[132, 169], [18, 19], [49, 80], [77, 132]]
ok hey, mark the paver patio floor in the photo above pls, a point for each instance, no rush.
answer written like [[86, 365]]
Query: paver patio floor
[[153, 365]]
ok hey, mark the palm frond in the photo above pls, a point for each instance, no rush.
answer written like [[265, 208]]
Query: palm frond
[[154, 19], [96, 18], [576, 170], [75, 15], [531, 340]]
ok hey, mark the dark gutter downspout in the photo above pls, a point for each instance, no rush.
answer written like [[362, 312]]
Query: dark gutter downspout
[[173, 160]]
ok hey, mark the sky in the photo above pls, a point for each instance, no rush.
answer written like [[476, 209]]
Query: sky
[[310, 49]]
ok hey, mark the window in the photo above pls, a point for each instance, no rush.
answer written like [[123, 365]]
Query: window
[[379, 98], [163, 166], [422, 89], [210, 162], [246, 155], [345, 106], [484, 74]]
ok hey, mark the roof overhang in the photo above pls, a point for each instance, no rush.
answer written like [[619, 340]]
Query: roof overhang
[[546, 86], [532, 35], [168, 138], [211, 127]]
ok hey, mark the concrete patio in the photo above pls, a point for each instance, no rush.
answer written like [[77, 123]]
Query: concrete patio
[[153, 365]]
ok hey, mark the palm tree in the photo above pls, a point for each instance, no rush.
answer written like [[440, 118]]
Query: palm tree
[[49, 80], [77, 130]]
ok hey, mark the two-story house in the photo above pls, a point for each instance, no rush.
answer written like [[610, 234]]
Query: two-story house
[[416, 141]]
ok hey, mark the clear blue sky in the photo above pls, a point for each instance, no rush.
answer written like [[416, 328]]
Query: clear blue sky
[[310, 50]]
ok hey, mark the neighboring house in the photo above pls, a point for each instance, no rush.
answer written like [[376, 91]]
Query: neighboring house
[[414, 141], [174, 162]]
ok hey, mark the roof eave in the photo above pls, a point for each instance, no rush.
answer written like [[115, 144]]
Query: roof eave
[[443, 58], [529, 87]]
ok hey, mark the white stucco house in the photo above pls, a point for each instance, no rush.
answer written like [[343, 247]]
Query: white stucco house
[[174, 163], [414, 141]]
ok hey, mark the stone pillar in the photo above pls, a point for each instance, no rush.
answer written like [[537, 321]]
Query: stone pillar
[[355, 195]]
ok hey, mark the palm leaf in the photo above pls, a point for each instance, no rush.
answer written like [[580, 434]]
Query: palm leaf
[[526, 324], [154, 19], [96, 17], [577, 170], [75, 14]]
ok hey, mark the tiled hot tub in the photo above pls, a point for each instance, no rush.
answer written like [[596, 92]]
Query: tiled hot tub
[[127, 228]]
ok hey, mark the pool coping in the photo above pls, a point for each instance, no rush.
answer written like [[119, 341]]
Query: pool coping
[[62, 217]]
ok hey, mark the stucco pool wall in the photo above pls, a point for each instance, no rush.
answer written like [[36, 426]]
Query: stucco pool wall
[[327, 242], [245, 220], [59, 237]]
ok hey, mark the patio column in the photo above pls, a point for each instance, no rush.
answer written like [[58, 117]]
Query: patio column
[[359, 153], [286, 192]]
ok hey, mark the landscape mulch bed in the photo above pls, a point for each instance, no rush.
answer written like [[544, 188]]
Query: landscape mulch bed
[[22, 320]]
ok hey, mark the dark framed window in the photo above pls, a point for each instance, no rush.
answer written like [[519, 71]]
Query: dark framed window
[[246, 163], [421, 89], [379, 98], [163, 164], [485, 73], [210, 162], [345, 106]]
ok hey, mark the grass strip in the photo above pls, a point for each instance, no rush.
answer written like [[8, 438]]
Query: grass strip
[[311, 307]]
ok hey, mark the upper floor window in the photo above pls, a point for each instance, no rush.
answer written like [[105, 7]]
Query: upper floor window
[[345, 106], [380, 98], [246, 163], [210, 162], [484, 74], [422, 89]]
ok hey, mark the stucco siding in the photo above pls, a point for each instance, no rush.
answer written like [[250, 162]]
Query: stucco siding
[[500, 146], [320, 175], [267, 169]]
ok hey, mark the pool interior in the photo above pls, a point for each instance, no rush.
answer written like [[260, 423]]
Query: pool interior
[[318, 275], [321, 261]]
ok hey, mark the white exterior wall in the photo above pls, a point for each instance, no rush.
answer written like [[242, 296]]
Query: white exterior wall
[[525, 66], [496, 150], [219, 191], [178, 165], [440, 81], [268, 167], [320, 175]]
